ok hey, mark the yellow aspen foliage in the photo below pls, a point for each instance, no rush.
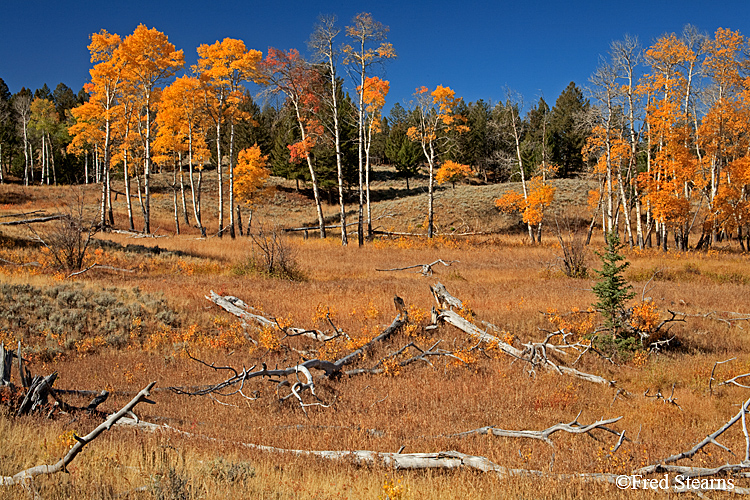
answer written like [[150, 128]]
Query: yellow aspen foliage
[[645, 317], [451, 171], [532, 208], [251, 174]]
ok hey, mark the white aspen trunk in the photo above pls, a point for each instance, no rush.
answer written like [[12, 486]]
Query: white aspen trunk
[[367, 180], [126, 174], [182, 191], [517, 139], [103, 209], [220, 171], [339, 166], [313, 177], [147, 170], [360, 131], [625, 208], [26, 154], [174, 199], [231, 179], [52, 162], [194, 189]]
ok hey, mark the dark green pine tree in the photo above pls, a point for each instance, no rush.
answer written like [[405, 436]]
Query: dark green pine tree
[[568, 135], [612, 289]]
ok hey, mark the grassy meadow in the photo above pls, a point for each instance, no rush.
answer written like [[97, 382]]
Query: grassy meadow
[[142, 319]]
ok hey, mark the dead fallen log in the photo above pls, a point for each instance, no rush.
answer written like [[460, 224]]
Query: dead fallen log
[[330, 368], [425, 269], [662, 465], [444, 299], [536, 357], [237, 307], [24, 476], [100, 266], [544, 435], [34, 220], [36, 395], [446, 460]]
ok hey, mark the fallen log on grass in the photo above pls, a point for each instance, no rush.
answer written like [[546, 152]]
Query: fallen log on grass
[[663, 465], [536, 357], [544, 435], [329, 368], [237, 307], [22, 478], [425, 269]]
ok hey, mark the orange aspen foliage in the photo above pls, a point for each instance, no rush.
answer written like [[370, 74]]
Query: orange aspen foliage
[[435, 118], [374, 99], [452, 172], [532, 208], [673, 178], [251, 174]]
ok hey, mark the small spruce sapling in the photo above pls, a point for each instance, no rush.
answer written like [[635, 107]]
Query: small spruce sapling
[[612, 290]]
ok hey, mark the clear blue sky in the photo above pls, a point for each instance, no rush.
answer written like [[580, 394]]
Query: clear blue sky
[[477, 48]]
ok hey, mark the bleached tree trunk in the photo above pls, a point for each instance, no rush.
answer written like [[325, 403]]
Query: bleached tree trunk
[[220, 171], [195, 189], [147, 170], [231, 179], [52, 162], [105, 177], [126, 174], [367, 180], [517, 140], [174, 199], [182, 192], [313, 176], [322, 42]]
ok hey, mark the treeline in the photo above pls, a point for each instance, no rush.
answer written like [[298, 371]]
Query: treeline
[[135, 116], [663, 130], [34, 134]]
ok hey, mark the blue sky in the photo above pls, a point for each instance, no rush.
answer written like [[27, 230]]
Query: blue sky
[[477, 48]]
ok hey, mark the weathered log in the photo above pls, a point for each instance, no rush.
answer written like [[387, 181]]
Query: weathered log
[[533, 356], [23, 372], [710, 439], [237, 307], [425, 269], [444, 299], [101, 398], [37, 393], [452, 460], [6, 363], [100, 266], [573, 428], [24, 476], [453, 318], [34, 220]]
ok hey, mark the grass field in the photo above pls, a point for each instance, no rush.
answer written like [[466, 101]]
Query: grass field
[[139, 321]]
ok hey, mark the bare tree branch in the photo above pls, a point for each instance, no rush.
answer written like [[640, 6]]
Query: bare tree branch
[[24, 476]]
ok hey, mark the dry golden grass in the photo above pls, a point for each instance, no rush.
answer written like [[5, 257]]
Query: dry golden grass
[[502, 281]]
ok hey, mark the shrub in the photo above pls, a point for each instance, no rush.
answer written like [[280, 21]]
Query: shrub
[[272, 254], [574, 250]]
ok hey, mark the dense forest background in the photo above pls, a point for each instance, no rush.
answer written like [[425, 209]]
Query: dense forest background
[[662, 129]]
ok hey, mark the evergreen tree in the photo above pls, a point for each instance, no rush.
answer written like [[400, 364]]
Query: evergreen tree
[[43, 93], [536, 138], [64, 99], [403, 153], [567, 134], [8, 137], [612, 289]]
